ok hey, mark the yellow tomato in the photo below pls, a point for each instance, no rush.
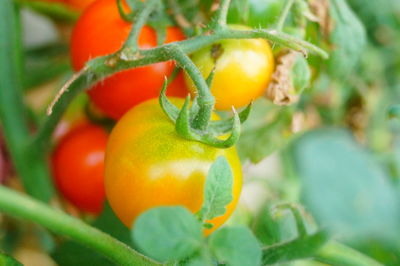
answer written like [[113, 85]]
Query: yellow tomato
[[243, 70]]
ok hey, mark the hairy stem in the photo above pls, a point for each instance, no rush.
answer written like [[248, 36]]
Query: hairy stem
[[281, 21], [131, 43], [21, 206], [101, 67], [219, 20], [205, 98]]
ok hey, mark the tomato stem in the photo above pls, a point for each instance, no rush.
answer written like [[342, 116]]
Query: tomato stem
[[131, 44], [205, 99], [21, 206], [101, 67], [282, 18], [219, 20]]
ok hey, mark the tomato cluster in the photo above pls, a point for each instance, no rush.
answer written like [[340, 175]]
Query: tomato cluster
[[147, 164]]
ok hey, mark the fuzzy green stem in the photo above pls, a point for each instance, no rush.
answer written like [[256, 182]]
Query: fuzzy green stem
[[219, 20], [205, 98], [21, 206], [334, 253], [131, 44], [102, 67], [30, 167], [281, 21]]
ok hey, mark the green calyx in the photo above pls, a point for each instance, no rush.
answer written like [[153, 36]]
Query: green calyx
[[185, 122]]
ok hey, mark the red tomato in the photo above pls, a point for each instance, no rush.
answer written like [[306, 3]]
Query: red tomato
[[101, 31], [78, 163]]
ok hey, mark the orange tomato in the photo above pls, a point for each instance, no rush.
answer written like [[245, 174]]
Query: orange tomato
[[149, 165]]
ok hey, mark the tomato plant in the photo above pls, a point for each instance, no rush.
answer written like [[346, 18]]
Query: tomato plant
[[101, 31], [78, 163], [318, 147], [149, 165], [242, 70]]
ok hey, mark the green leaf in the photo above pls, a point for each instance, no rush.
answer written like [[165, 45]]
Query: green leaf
[[167, 233], [348, 39], [295, 249], [344, 187], [265, 131], [275, 224], [301, 74], [8, 261], [236, 246], [218, 190]]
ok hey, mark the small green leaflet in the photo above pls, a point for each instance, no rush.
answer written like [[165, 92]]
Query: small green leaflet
[[167, 233], [236, 246], [218, 190]]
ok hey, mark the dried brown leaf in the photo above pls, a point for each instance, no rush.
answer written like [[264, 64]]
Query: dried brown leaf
[[280, 90]]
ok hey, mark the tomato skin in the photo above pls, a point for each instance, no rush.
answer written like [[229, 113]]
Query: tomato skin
[[101, 31], [78, 165], [242, 71], [148, 165]]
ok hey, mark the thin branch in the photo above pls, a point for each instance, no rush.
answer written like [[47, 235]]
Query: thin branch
[[104, 66], [205, 99], [219, 20], [281, 21], [131, 43], [64, 88], [21, 206]]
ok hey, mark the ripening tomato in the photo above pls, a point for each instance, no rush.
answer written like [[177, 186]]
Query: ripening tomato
[[243, 69], [101, 31], [148, 165], [78, 164]]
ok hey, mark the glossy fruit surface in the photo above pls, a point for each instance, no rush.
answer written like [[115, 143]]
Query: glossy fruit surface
[[101, 31], [148, 165], [78, 165], [243, 69]]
